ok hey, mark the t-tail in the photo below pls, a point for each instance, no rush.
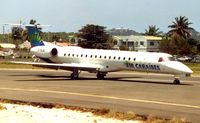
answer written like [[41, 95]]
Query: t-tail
[[34, 36]]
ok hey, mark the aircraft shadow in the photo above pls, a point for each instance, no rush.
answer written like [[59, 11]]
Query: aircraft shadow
[[151, 82], [117, 79]]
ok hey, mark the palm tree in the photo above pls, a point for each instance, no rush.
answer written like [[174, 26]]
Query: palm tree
[[32, 21], [152, 31], [180, 27]]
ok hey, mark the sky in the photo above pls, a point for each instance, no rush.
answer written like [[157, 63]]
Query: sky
[[72, 15]]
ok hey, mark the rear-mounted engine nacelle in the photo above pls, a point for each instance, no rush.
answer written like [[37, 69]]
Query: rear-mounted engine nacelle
[[44, 52], [54, 52]]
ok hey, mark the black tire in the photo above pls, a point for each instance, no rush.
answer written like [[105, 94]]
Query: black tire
[[176, 81], [73, 76], [100, 76]]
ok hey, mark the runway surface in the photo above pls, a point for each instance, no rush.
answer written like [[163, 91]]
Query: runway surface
[[150, 94]]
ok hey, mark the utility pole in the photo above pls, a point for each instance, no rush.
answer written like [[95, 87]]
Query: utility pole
[[4, 33]]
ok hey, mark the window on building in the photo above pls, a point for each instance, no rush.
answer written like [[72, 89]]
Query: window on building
[[124, 58], [104, 57], [130, 44], [118, 58], [109, 57], [142, 43], [129, 58], [151, 43], [136, 44]]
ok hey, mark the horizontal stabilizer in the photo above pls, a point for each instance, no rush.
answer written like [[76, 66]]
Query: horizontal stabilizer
[[26, 25]]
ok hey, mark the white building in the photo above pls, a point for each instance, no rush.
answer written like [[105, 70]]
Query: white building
[[7, 46], [139, 43]]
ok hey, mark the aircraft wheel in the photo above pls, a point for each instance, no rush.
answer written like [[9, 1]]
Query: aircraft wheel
[[100, 75], [74, 76], [176, 81]]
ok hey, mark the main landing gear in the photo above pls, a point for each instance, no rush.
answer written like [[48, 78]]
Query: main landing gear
[[176, 81], [101, 75], [75, 74]]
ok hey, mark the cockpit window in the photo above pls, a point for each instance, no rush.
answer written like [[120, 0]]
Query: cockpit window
[[162, 59], [171, 59]]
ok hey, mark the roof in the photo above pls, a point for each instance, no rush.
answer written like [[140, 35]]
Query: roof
[[7, 45], [138, 38], [131, 38], [154, 38]]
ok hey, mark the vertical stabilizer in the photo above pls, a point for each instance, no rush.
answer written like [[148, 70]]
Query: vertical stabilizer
[[34, 36]]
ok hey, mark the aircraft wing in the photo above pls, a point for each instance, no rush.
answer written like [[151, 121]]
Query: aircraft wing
[[64, 66]]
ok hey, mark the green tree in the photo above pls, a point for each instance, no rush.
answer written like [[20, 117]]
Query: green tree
[[17, 35], [32, 21], [181, 27], [95, 37], [177, 45], [152, 31], [179, 42], [55, 37]]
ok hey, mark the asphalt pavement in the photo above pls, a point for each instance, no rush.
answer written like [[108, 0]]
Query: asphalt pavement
[[142, 93]]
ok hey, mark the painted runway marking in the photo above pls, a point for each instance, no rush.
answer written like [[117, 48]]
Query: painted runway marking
[[105, 97]]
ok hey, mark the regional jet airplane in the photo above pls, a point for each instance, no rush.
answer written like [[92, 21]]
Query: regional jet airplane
[[77, 59]]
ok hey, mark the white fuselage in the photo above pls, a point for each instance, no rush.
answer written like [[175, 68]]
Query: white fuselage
[[112, 60]]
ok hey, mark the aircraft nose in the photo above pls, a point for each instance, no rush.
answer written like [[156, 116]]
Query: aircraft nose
[[184, 69], [180, 68]]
